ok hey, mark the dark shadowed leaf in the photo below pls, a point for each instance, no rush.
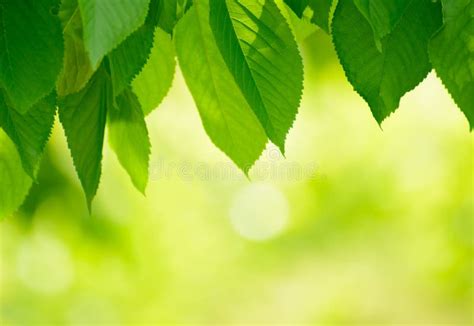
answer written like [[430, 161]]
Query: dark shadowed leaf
[[452, 54], [31, 50], [29, 131], [383, 76], [83, 117]]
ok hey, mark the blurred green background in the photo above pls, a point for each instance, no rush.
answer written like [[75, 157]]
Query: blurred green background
[[357, 225]]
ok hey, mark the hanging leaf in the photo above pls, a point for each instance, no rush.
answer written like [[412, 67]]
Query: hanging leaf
[[261, 53], [452, 54], [156, 78], [225, 113], [14, 182], [83, 117], [128, 59], [29, 131], [128, 136], [383, 76]]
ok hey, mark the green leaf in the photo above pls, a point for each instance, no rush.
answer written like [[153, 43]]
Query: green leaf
[[83, 117], [30, 131], [156, 78], [128, 137], [14, 182], [321, 10], [170, 12], [383, 77], [261, 53], [302, 27], [128, 59], [298, 6], [228, 119], [452, 54], [382, 15], [107, 23], [31, 50], [77, 68], [321, 13]]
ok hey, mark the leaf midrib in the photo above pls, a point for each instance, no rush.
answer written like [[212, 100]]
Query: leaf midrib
[[270, 125]]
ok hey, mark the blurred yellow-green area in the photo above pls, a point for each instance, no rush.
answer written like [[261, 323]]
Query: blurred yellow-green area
[[357, 225]]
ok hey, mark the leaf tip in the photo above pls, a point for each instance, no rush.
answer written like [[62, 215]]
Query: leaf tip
[[142, 188]]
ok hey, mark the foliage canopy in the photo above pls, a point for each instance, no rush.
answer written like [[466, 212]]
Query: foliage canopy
[[109, 63]]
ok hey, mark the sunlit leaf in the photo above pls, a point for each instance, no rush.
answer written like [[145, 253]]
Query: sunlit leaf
[[261, 53], [128, 59], [225, 113], [14, 182], [128, 136], [156, 78]]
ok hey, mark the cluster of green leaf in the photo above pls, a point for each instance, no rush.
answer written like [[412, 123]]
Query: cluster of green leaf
[[101, 63]]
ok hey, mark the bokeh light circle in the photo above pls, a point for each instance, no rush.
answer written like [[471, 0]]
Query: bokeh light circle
[[44, 265], [259, 212]]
